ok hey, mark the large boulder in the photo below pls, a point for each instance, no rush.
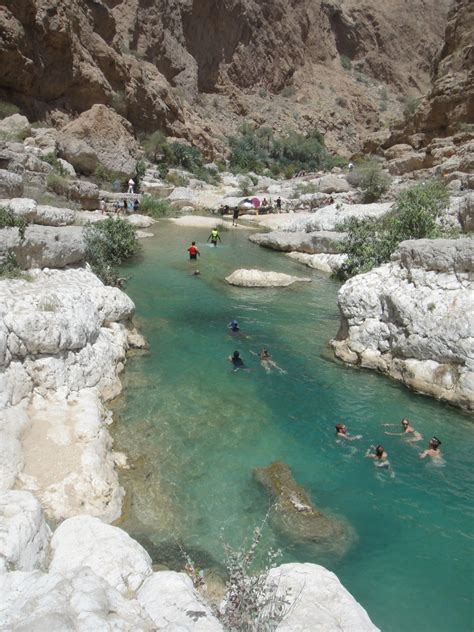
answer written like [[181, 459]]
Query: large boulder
[[99, 136], [260, 278], [77, 601], [24, 534], [411, 319], [84, 193], [333, 184], [108, 551], [41, 214], [44, 246], [311, 243], [294, 514], [317, 601], [14, 127], [328, 263], [11, 184], [170, 597]]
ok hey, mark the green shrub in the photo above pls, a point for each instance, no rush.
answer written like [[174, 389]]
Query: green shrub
[[118, 101], [262, 93], [9, 268], [177, 179], [370, 178], [346, 62], [155, 207], [108, 243], [341, 102], [246, 187], [370, 242], [410, 106], [9, 220], [104, 176], [57, 183], [7, 109], [186, 156], [288, 91]]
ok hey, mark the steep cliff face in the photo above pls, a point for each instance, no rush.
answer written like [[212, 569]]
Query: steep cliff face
[[152, 59]]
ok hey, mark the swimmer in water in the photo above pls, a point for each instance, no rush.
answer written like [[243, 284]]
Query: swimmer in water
[[237, 361], [214, 236], [193, 251], [341, 433], [433, 450], [380, 456], [196, 273], [408, 431], [234, 327], [267, 362]]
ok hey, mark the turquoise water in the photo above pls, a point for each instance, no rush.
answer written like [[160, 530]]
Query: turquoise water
[[195, 431]]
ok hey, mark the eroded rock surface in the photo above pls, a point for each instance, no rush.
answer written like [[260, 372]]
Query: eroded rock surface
[[260, 278], [412, 319]]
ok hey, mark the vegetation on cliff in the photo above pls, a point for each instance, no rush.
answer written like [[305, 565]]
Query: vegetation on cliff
[[108, 244]]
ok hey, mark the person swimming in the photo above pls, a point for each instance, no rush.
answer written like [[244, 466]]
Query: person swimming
[[267, 361], [341, 433], [234, 327], [237, 361], [379, 455], [408, 431], [433, 450]]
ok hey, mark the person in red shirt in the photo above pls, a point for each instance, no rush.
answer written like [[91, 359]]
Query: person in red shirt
[[193, 251]]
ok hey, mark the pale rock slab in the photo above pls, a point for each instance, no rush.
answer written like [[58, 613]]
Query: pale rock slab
[[310, 243], [260, 278], [77, 601], [13, 421], [14, 127], [11, 184], [111, 553], [24, 534], [327, 263], [321, 603], [169, 599], [140, 221], [412, 319]]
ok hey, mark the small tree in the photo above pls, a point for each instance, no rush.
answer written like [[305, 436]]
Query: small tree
[[10, 220], [108, 243], [370, 178]]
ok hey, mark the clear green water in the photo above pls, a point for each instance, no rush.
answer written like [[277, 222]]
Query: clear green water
[[195, 431]]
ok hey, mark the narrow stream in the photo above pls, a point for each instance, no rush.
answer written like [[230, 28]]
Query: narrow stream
[[195, 431]]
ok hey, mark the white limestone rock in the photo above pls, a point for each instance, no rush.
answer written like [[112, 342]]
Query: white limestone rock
[[182, 196], [111, 553], [169, 599], [140, 221], [14, 127], [261, 278], [13, 421], [24, 534], [412, 319], [310, 243], [11, 184], [321, 603], [324, 262], [77, 601]]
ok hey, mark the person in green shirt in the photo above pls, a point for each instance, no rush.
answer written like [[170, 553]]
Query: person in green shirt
[[214, 236]]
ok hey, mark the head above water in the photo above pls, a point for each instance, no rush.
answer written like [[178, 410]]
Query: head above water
[[435, 443], [379, 450], [340, 428], [193, 243], [405, 421], [236, 354]]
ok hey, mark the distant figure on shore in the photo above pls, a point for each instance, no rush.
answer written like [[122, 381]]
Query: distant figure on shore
[[214, 236], [103, 205], [130, 206], [124, 207], [408, 431], [235, 215], [379, 455], [350, 166], [193, 251], [234, 327], [264, 202], [278, 204], [237, 361], [341, 433], [136, 206], [433, 450], [131, 184], [116, 207]]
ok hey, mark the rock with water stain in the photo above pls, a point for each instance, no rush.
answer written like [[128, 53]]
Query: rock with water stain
[[261, 278], [294, 513]]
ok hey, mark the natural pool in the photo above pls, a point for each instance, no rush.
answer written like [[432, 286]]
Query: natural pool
[[195, 431]]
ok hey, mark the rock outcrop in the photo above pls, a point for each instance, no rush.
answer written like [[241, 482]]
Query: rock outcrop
[[412, 319], [311, 243], [260, 278], [294, 514]]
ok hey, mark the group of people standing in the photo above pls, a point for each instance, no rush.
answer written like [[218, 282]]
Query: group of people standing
[[379, 454]]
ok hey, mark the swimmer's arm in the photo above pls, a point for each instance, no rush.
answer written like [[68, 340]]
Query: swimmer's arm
[[395, 434], [369, 455], [423, 454], [389, 425]]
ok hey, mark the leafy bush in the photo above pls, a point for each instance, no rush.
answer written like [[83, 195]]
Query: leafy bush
[[7, 109], [410, 106], [177, 179], [104, 176], [257, 150], [346, 62], [154, 207], [246, 187], [186, 156], [341, 102], [156, 147], [9, 220], [57, 183], [370, 178], [9, 268], [262, 93], [288, 91], [108, 243], [370, 242]]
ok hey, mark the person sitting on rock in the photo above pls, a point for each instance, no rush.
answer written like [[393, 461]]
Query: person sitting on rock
[[408, 431], [433, 450]]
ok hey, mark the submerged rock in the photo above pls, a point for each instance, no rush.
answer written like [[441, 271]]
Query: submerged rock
[[294, 513], [260, 278], [412, 319]]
